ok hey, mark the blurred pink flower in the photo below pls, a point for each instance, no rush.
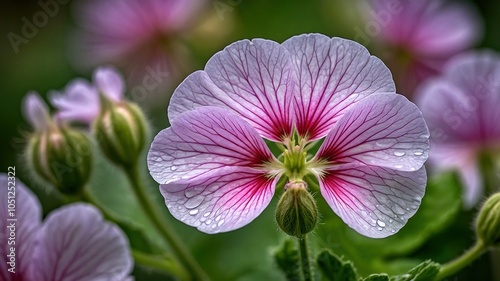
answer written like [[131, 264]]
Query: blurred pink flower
[[416, 38], [462, 110], [216, 172], [141, 36], [80, 101], [36, 112], [72, 243]]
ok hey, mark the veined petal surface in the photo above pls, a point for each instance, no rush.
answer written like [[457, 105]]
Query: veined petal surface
[[383, 130], [75, 243], [203, 140], [251, 78], [332, 74], [220, 201], [375, 201]]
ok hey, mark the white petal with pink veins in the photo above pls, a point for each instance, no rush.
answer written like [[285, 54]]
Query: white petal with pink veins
[[28, 215], [333, 74], [374, 201], [203, 140], [383, 130], [220, 201], [254, 79], [75, 243]]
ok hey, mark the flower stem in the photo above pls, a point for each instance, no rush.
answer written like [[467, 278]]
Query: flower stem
[[162, 225], [161, 263], [304, 259], [465, 259]]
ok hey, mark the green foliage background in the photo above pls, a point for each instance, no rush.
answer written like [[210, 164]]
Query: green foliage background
[[440, 231]]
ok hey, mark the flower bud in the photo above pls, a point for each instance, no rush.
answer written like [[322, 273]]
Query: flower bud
[[488, 221], [296, 212], [63, 157], [121, 132]]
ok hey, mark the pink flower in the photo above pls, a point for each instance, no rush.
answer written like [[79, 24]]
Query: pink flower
[[81, 100], [138, 35], [36, 112], [461, 108], [216, 172], [416, 38], [73, 242]]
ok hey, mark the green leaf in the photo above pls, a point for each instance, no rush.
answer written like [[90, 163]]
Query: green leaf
[[426, 271], [377, 277], [334, 269], [288, 260], [440, 206]]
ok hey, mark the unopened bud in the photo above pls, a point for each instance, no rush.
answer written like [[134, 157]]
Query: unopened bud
[[488, 221], [296, 212], [63, 157], [121, 133]]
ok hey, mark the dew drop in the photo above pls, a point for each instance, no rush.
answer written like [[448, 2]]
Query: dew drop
[[206, 214], [173, 168], [386, 142], [218, 217], [391, 220], [209, 221], [398, 166], [418, 153], [194, 202], [193, 212], [407, 209], [379, 228], [214, 225], [220, 223], [381, 223], [399, 153], [392, 230]]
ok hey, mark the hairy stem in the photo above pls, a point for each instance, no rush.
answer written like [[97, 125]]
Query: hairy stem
[[465, 259], [304, 259]]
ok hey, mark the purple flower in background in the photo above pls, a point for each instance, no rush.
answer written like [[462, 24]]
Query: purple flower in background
[[216, 172], [80, 101], [141, 36], [72, 243], [462, 110], [416, 38]]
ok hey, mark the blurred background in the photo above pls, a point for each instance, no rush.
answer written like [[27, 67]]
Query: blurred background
[[47, 43]]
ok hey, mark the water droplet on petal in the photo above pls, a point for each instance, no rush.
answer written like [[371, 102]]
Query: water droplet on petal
[[381, 223], [379, 228], [194, 202], [418, 153], [209, 221], [206, 214], [218, 217], [220, 223], [399, 153], [173, 168], [398, 166], [392, 230], [193, 212]]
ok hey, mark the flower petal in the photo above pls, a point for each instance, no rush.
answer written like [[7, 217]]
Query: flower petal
[[18, 200], [252, 78], [79, 102], [109, 82], [75, 243], [458, 105], [203, 140], [383, 130], [374, 201], [333, 74], [220, 201], [36, 111]]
